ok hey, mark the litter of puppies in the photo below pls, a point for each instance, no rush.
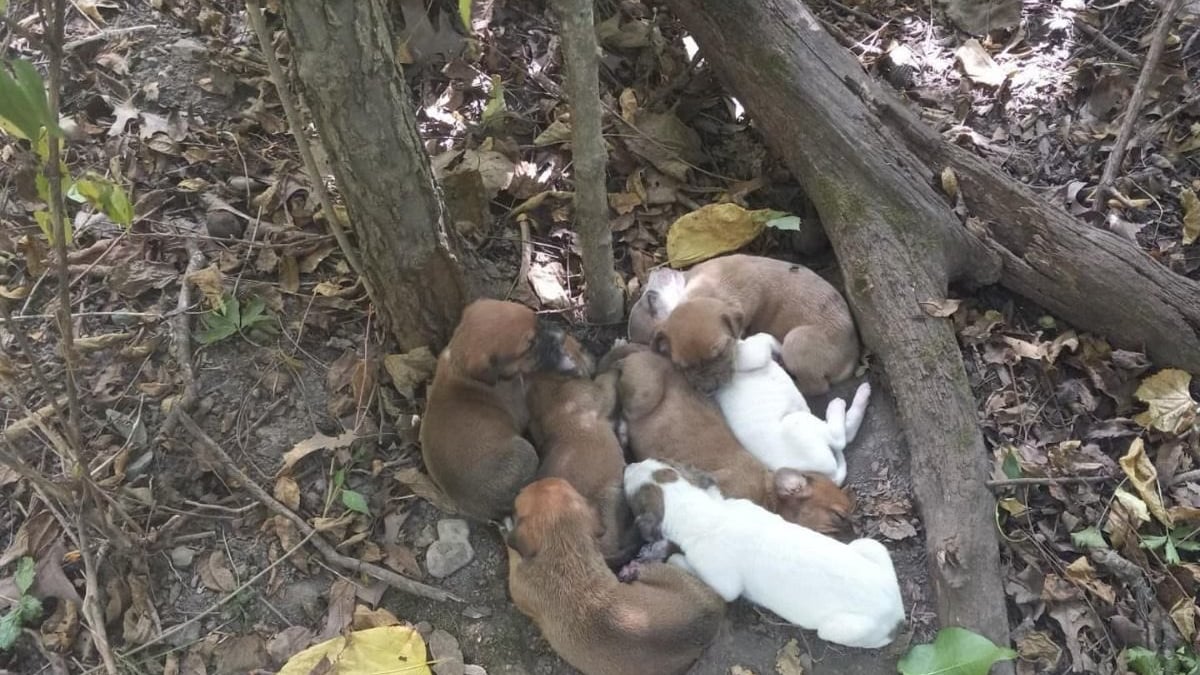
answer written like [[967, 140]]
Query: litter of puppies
[[683, 471]]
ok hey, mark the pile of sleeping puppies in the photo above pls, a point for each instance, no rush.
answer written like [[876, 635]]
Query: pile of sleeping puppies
[[681, 472]]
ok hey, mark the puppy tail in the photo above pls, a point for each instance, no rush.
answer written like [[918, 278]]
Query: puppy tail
[[857, 411]]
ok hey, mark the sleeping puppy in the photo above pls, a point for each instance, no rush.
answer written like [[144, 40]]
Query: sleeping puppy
[[664, 289], [659, 624], [732, 296], [571, 424], [770, 417], [667, 419], [475, 411], [848, 593]]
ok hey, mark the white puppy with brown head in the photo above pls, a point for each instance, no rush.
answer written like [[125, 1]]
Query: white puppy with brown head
[[848, 593], [769, 416], [664, 290]]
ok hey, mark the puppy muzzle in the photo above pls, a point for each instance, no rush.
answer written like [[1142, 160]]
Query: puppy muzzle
[[548, 352]]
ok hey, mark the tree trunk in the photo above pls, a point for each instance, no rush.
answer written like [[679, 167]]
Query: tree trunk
[[898, 245], [345, 61], [606, 302]]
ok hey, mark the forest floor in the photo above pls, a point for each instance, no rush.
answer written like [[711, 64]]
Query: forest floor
[[171, 99]]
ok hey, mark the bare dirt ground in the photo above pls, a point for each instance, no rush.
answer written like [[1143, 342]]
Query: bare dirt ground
[[170, 98]]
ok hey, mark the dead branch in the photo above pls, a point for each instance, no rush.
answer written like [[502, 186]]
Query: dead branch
[[1133, 111], [1184, 477], [1108, 42], [582, 65], [254, 11], [181, 344], [225, 462]]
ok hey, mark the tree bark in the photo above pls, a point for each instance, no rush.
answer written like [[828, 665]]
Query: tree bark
[[345, 61], [898, 245], [606, 303]]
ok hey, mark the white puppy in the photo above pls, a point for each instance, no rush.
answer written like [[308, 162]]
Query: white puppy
[[769, 415], [848, 593]]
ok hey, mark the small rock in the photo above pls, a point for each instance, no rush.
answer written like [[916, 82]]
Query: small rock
[[188, 48], [476, 612], [447, 655], [182, 556], [444, 558], [223, 224], [451, 552], [425, 537], [474, 670]]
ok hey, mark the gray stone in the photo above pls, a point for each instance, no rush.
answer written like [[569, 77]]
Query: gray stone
[[182, 556], [447, 655], [453, 529], [444, 558]]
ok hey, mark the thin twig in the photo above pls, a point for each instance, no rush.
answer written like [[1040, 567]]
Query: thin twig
[[1108, 42], [254, 10], [173, 630], [1132, 112], [1184, 477], [106, 34], [1048, 480], [233, 473]]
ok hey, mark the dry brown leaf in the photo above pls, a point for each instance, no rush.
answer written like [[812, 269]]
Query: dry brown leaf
[[287, 491], [559, 131], [140, 622], [319, 441], [1082, 573], [95, 343], [1134, 507], [287, 642], [1144, 477], [666, 142], [421, 486], [1172, 408], [341, 609], [401, 559], [1191, 215], [365, 617], [210, 282], [787, 662], [1039, 646], [289, 274], [60, 629], [978, 64], [410, 369], [1183, 615], [215, 573], [941, 308]]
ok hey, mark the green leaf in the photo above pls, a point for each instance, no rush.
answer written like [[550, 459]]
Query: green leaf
[[24, 577], [1011, 467], [24, 108], [955, 651], [1171, 554], [10, 629], [786, 223], [3, 6], [339, 479], [464, 13], [1154, 543], [29, 608], [106, 196], [1089, 537], [355, 502], [1143, 661], [495, 104]]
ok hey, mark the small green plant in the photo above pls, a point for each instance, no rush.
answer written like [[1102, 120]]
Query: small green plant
[[230, 318], [1145, 662], [26, 609], [351, 499], [1174, 541], [954, 650], [25, 113]]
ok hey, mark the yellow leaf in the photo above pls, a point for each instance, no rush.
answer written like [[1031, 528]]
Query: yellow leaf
[[1083, 574], [1191, 215], [1183, 614], [1013, 506], [385, 649], [712, 230], [1172, 408], [1144, 477], [410, 369], [1135, 507]]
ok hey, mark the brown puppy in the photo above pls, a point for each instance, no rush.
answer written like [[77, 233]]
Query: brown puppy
[[571, 422], [733, 296], [669, 420], [659, 624], [475, 414]]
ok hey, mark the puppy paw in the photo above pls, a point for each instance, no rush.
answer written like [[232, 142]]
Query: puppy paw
[[629, 572], [655, 551]]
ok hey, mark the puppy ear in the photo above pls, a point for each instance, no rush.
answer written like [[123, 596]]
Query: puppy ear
[[649, 526], [792, 484], [481, 365], [733, 322], [661, 343], [521, 541]]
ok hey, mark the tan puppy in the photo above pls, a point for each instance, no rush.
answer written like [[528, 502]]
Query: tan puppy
[[733, 296], [659, 624], [571, 422], [669, 420], [475, 414]]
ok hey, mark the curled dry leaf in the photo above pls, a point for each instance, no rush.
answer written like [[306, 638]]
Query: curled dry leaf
[[423, 487], [941, 308], [1183, 615], [1172, 408], [1084, 575], [666, 142], [210, 282], [1191, 215], [141, 619], [287, 491], [341, 608], [1144, 477], [410, 369], [215, 573], [308, 446], [789, 661]]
